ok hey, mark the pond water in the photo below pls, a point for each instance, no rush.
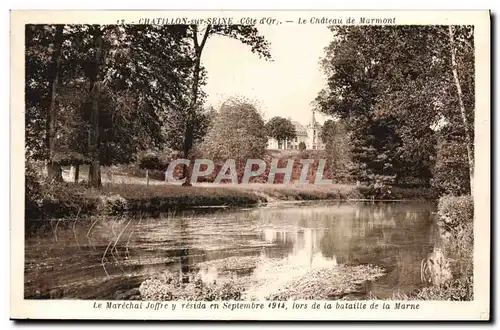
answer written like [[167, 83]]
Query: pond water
[[92, 259]]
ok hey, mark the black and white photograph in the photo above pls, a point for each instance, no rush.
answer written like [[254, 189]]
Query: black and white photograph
[[261, 162]]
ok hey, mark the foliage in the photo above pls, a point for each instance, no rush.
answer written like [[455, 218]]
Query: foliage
[[459, 289], [460, 248], [113, 205], [451, 173], [382, 80], [151, 161], [176, 122], [238, 132], [101, 94], [302, 146], [59, 200], [188, 119], [45, 199], [456, 221], [379, 191], [134, 68], [63, 199], [280, 129], [455, 211], [32, 191], [336, 139]]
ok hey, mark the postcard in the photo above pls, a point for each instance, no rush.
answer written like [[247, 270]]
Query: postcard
[[250, 165]]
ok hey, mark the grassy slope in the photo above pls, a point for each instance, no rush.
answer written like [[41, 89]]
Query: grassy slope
[[129, 182]]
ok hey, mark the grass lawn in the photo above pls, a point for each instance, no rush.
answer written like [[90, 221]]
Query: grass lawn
[[277, 192], [121, 193]]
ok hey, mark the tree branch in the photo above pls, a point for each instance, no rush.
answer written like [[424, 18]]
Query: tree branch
[[205, 37], [195, 37]]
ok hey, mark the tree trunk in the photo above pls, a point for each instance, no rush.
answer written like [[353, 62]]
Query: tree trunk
[[147, 178], [465, 122], [77, 173], [188, 133], [188, 143], [95, 174], [95, 88], [54, 171]]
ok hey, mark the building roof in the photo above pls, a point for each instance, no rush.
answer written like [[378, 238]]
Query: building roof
[[299, 128]]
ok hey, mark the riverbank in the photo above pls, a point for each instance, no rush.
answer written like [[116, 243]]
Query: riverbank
[[65, 199], [448, 271], [270, 249], [451, 272]]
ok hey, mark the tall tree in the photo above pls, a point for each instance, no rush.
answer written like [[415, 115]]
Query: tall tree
[[336, 139], [95, 76], [53, 169], [37, 96], [392, 78], [248, 35], [463, 112], [116, 87], [280, 129], [238, 132]]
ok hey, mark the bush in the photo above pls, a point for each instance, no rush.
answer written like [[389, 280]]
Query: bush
[[378, 190], [459, 289], [113, 204], [60, 199], [54, 199], [456, 221], [32, 191], [454, 213]]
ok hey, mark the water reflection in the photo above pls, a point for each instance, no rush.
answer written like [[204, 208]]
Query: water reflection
[[395, 236]]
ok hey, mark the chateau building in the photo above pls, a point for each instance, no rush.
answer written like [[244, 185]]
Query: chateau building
[[309, 134]]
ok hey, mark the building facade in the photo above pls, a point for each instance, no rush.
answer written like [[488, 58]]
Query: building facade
[[309, 134]]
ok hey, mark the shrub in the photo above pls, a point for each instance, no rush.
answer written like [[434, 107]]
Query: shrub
[[113, 204], [459, 289], [456, 221], [378, 190], [455, 212], [421, 193], [54, 199], [32, 192], [60, 199], [150, 162]]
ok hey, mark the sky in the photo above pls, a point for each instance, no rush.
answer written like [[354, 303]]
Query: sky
[[284, 87]]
